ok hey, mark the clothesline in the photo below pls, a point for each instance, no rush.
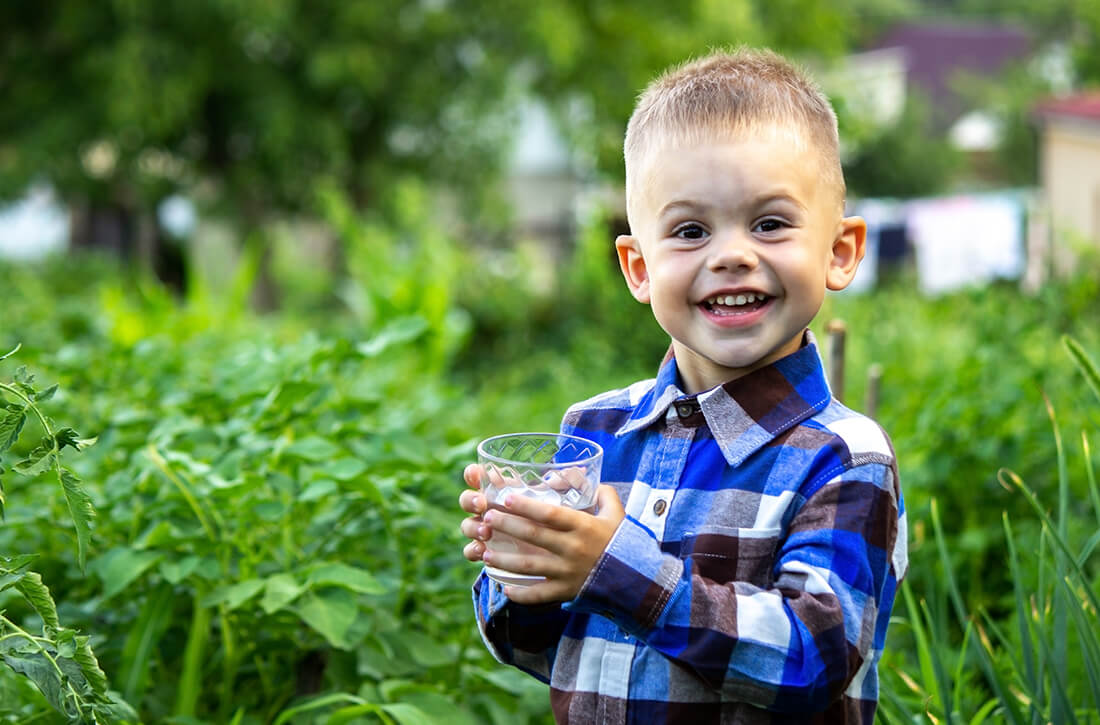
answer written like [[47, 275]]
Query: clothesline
[[955, 241]]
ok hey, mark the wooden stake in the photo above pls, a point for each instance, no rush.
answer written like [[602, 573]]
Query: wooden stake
[[836, 330], [874, 383]]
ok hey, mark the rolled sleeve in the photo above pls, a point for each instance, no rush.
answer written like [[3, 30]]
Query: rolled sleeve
[[632, 581], [524, 636]]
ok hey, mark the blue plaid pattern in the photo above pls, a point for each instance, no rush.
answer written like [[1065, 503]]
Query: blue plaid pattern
[[753, 577]]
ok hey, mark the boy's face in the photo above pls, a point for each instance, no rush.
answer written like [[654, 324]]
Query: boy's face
[[735, 242]]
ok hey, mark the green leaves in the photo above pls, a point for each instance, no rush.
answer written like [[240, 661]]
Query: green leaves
[[8, 354], [40, 459], [269, 508], [323, 596], [80, 510], [233, 595], [343, 575], [279, 591], [60, 662], [1042, 664], [46, 455], [331, 612], [38, 596], [313, 448], [1084, 363], [11, 423], [395, 333], [65, 670], [13, 569], [120, 566]]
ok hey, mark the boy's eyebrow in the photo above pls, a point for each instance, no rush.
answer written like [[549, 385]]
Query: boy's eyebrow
[[780, 196], [698, 206], [678, 204]]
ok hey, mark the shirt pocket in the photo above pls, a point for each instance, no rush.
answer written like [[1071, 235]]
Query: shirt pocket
[[732, 553]]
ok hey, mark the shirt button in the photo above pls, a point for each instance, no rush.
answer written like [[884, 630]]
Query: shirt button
[[659, 506], [683, 410]]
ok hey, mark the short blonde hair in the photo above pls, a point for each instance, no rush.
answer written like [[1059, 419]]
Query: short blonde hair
[[725, 93]]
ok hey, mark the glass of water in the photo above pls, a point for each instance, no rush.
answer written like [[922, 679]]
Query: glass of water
[[554, 468]]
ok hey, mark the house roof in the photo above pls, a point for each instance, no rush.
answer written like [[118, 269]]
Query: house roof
[[937, 53], [1083, 106]]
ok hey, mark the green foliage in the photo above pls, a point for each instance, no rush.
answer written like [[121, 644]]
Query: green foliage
[[1041, 662], [60, 662], [277, 531], [263, 98], [908, 158], [277, 537]]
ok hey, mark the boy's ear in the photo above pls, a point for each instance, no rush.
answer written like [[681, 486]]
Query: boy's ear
[[848, 249], [633, 266]]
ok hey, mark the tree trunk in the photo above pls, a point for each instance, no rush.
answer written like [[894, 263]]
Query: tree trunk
[[133, 237]]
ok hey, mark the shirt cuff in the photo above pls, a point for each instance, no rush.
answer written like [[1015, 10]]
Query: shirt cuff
[[632, 582], [489, 596]]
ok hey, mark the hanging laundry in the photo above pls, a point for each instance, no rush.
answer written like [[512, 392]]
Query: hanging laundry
[[893, 244], [966, 240], [886, 240]]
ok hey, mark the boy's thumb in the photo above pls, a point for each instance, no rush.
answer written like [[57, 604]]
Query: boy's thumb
[[608, 503]]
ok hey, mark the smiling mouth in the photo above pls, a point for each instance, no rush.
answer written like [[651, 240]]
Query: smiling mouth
[[736, 304]]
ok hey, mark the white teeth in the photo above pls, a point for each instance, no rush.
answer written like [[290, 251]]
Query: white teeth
[[736, 300]]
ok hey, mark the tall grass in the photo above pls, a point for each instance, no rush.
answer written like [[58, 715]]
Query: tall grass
[[1042, 663]]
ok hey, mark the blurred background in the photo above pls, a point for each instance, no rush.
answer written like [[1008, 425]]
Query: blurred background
[[176, 135], [289, 260]]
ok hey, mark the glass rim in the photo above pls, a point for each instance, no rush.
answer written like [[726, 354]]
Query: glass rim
[[597, 454]]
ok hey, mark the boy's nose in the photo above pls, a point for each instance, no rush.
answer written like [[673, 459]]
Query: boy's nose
[[732, 252]]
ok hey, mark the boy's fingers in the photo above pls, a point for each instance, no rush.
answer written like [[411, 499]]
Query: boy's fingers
[[472, 502], [474, 551], [519, 527], [475, 528], [556, 517], [568, 478], [532, 561], [472, 475], [542, 593]]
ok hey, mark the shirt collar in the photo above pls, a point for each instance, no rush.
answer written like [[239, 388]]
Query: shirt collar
[[749, 412]]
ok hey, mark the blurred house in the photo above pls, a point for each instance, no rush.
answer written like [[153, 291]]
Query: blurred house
[[935, 61], [940, 57], [873, 83], [542, 180], [1070, 164], [943, 65]]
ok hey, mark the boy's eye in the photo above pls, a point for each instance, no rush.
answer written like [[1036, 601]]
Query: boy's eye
[[690, 231], [769, 225]]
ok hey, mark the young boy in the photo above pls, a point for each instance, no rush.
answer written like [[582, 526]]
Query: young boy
[[750, 576]]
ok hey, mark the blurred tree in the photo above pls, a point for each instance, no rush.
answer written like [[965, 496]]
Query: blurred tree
[[594, 59], [244, 104], [1074, 23], [248, 105], [904, 159]]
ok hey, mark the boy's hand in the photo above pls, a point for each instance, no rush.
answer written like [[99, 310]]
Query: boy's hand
[[473, 502], [573, 541]]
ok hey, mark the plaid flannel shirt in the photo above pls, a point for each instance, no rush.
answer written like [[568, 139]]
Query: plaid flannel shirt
[[753, 576]]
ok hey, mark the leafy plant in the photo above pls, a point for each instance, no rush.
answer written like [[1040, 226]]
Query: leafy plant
[[59, 661], [1044, 665], [277, 536]]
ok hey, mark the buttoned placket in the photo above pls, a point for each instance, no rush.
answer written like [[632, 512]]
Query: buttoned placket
[[661, 468]]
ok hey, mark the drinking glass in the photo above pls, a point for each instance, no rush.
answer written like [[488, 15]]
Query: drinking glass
[[554, 468]]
